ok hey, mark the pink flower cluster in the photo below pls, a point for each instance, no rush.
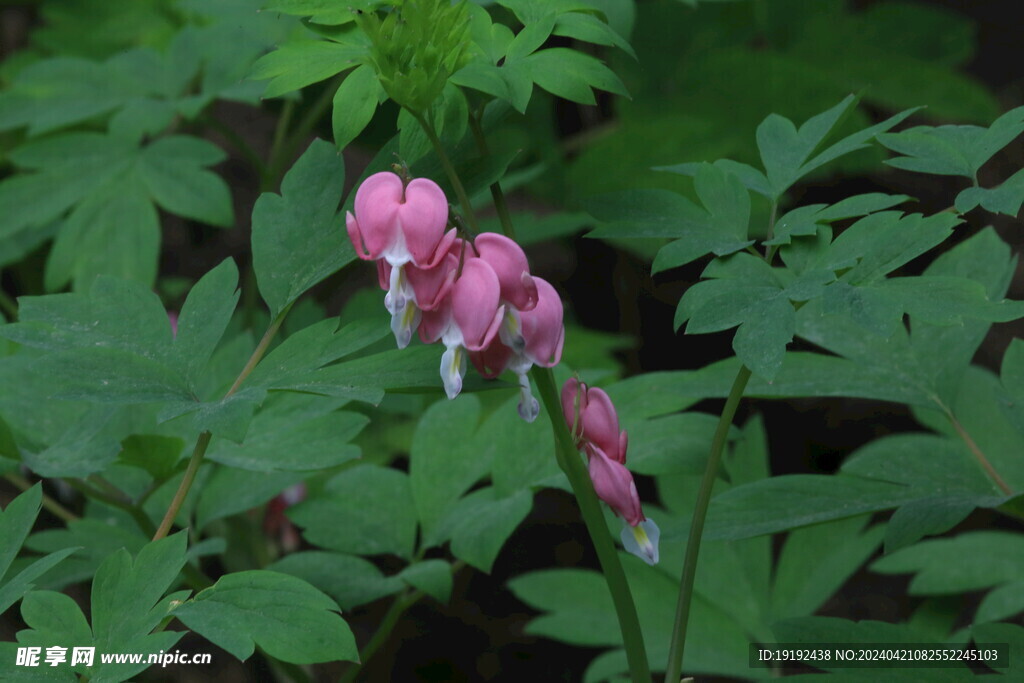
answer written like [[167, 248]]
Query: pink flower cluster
[[477, 296], [594, 425]]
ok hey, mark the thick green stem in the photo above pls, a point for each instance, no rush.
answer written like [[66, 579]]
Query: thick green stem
[[593, 517], [700, 510], [449, 169], [204, 439], [496, 192], [186, 484]]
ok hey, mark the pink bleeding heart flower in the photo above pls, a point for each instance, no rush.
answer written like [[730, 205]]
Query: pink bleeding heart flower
[[510, 265], [400, 224], [420, 289], [527, 338], [614, 484], [467, 319], [591, 416]]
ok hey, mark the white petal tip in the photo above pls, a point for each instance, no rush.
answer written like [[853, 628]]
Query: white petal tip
[[642, 540], [529, 409]]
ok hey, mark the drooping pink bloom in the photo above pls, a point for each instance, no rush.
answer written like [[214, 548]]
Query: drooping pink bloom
[[399, 223], [527, 338], [594, 423], [466, 320], [614, 484], [591, 416], [418, 289], [510, 265]]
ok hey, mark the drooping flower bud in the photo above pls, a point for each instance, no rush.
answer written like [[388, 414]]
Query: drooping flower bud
[[594, 424]]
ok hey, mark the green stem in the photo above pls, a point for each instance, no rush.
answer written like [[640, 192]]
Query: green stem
[[204, 439], [383, 632], [289, 146], [239, 143], [496, 192], [387, 625], [8, 306], [49, 503], [700, 510], [449, 169], [590, 508], [277, 146]]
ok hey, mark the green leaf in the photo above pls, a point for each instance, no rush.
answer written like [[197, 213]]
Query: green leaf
[[297, 236], [643, 214], [1001, 603], [228, 492], [953, 150], [125, 591], [726, 199], [571, 75], [433, 577], [294, 433], [288, 618], [444, 460], [1006, 199], [156, 454], [970, 561], [319, 11], [480, 523], [521, 454], [817, 560], [296, 64], [349, 579], [761, 340], [532, 37], [16, 522], [366, 510], [203, 318], [925, 517], [796, 500], [590, 29], [172, 170], [354, 104], [676, 444], [19, 585]]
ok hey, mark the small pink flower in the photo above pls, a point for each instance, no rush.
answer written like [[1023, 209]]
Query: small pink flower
[[591, 417], [528, 338], [596, 424], [513, 271], [418, 289], [615, 486], [172, 317], [399, 223], [467, 319]]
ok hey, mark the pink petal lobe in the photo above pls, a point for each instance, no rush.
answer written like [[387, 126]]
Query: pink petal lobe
[[510, 264], [376, 211], [614, 484], [475, 304], [423, 217], [542, 327]]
